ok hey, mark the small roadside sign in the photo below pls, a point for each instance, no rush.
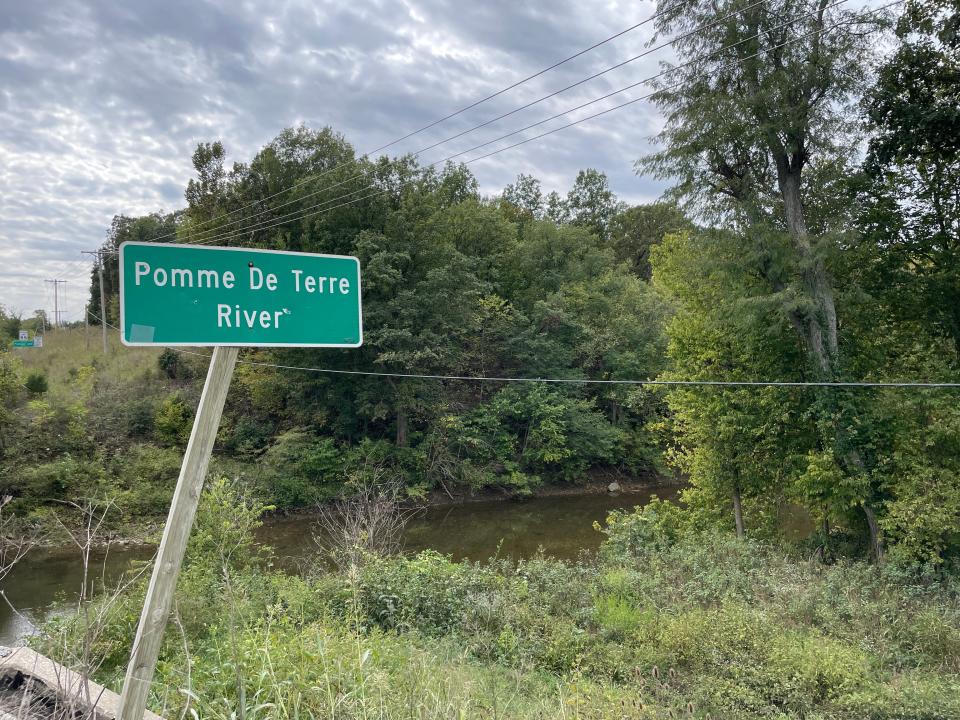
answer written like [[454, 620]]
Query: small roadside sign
[[38, 341], [24, 335], [24, 343], [172, 294]]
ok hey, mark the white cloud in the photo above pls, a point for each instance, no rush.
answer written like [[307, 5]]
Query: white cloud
[[102, 103]]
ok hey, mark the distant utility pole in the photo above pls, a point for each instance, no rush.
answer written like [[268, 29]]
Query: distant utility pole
[[86, 326], [103, 300], [56, 300]]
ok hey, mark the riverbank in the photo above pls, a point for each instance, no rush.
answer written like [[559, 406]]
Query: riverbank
[[47, 580], [641, 629]]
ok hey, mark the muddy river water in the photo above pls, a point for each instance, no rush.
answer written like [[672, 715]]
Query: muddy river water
[[48, 581]]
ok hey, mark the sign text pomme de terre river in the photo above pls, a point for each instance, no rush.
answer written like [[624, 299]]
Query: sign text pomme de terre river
[[174, 294]]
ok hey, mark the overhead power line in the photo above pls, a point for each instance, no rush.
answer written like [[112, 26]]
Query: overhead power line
[[416, 153], [324, 206], [318, 208], [587, 381], [453, 114]]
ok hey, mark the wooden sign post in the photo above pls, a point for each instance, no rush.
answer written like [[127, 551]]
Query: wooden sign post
[[163, 582], [173, 294]]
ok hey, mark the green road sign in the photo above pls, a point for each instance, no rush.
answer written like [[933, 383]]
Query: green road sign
[[192, 295], [23, 343]]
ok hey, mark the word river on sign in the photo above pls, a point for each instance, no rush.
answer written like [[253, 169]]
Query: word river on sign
[[227, 314], [190, 295]]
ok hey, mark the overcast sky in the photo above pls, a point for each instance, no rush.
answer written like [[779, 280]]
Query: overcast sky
[[102, 103]]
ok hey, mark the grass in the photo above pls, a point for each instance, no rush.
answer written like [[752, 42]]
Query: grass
[[67, 349], [707, 627]]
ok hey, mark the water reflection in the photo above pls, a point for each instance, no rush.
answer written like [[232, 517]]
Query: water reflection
[[48, 582]]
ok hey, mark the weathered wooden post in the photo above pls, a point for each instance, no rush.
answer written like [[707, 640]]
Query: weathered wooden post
[[166, 570], [174, 294]]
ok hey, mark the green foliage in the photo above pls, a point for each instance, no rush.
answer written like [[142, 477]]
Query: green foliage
[[10, 384], [300, 469], [143, 477], [591, 203], [910, 213], [668, 619], [36, 383], [636, 230], [67, 477], [10, 325], [226, 520], [171, 364], [173, 421], [525, 432], [658, 525]]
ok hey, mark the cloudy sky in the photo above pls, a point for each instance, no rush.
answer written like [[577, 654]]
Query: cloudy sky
[[102, 103]]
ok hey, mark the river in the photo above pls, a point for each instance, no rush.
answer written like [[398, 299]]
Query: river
[[48, 581]]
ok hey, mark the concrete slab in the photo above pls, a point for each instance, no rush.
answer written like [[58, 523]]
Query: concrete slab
[[20, 665]]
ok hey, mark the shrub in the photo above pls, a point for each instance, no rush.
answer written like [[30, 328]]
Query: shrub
[[36, 383], [247, 437], [68, 476], [139, 417], [147, 475], [655, 526], [300, 469], [172, 366], [428, 592], [173, 421]]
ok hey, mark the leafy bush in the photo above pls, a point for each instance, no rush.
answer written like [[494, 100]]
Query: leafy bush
[[427, 592], [172, 366], [173, 421], [247, 437], [146, 475], [68, 476], [36, 383], [300, 469], [139, 417], [655, 526]]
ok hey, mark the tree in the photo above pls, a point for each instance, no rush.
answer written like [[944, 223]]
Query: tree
[[39, 322], [911, 195], [155, 227], [746, 121], [525, 198], [740, 447], [761, 101], [637, 229], [205, 194], [10, 324], [558, 211], [591, 202]]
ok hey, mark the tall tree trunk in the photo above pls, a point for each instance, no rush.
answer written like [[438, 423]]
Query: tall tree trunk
[[401, 427], [615, 413], [876, 540], [738, 511], [819, 322]]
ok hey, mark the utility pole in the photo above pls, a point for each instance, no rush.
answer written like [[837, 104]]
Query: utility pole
[[56, 303], [103, 298], [103, 306]]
